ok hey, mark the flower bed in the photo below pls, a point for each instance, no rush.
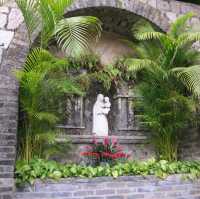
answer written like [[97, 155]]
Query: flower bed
[[42, 169]]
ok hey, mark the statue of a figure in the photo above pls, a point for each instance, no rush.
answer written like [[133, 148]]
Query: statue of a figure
[[101, 109]]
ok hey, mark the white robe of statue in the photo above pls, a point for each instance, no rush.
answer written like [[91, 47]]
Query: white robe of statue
[[100, 110]]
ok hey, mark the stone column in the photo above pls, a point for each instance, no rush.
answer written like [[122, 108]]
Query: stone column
[[12, 54]]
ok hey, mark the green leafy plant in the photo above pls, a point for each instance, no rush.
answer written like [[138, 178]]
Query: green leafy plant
[[72, 34], [43, 169], [43, 81], [167, 69], [106, 152]]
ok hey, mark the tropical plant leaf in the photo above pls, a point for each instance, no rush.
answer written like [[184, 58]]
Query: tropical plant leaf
[[29, 9], [67, 86], [186, 38], [35, 57], [144, 31], [58, 7], [179, 26], [166, 87], [190, 77], [45, 116], [74, 34], [136, 65]]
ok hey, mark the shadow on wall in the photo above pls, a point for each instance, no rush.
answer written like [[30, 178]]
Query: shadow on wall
[[109, 49]]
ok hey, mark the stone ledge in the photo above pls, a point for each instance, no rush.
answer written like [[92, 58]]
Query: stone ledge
[[171, 179], [125, 187], [87, 139]]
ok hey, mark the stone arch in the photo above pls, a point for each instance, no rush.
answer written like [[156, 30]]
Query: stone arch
[[13, 56], [137, 7]]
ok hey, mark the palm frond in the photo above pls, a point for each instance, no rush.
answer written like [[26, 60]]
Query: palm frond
[[137, 65], [74, 34], [190, 77], [149, 35], [29, 9], [144, 31], [45, 116], [48, 22], [190, 37], [35, 58], [180, 24], [67, 86], [58, 7]]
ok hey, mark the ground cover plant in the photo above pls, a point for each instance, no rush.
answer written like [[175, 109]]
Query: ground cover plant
[[43, 169], [167, 74]]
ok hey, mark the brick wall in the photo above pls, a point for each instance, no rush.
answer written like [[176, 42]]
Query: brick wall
[[107, 188]]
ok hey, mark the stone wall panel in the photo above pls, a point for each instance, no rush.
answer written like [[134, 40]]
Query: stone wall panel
[[127, 187]]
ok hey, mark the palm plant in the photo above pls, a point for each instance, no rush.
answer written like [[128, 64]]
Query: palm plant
[[43, 81], [168, 70], [72, 34]]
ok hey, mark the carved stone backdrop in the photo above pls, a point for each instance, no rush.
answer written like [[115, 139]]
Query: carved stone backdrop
[[14, 48], [122, 118]]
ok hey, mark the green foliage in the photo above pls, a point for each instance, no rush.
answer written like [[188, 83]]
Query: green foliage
[[167, 113], [107, 76], [42, 169], [73, 34], [167, 69], [44, 80]]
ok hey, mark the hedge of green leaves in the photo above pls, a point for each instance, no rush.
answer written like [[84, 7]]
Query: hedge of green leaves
[[43, 169]]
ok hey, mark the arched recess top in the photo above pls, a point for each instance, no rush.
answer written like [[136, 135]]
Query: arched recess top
[[135, 6], [18, 48]]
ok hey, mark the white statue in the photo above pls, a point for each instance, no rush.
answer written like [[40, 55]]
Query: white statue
[[101, 109]]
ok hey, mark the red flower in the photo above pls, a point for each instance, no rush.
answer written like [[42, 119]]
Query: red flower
[[106, 141], [107, 155]]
